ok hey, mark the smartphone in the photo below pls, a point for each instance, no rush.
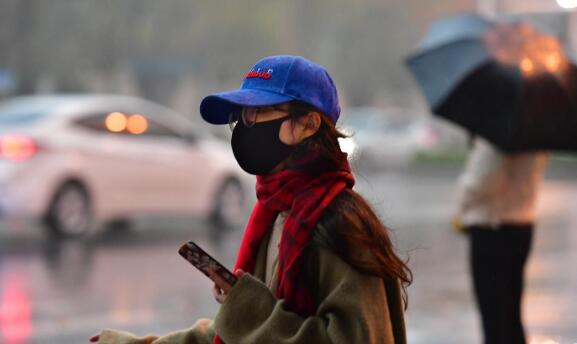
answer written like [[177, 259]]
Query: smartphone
[[203, 261]]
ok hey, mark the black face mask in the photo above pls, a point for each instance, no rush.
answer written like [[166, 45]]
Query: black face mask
[[258, 149]]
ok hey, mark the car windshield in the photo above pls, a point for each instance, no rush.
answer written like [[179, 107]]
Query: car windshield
[[24, 111], [378, 124]]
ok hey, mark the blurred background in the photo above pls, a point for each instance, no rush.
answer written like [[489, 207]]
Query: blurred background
[[105, 166]]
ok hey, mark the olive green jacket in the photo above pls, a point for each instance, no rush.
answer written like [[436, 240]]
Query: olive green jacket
[[354, 307]]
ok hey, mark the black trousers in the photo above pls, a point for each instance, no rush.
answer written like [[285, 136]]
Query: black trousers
[[497, 258]]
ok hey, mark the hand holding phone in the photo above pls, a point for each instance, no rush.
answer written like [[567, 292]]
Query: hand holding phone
[[204, 262]]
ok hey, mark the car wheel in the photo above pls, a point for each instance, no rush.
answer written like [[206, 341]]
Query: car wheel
[[70, 213], [228, 205]]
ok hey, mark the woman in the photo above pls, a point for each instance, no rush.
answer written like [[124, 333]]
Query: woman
[[315, 263], [497, 208]]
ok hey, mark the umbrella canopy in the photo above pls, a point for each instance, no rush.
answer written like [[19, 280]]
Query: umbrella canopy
[[505, 81]]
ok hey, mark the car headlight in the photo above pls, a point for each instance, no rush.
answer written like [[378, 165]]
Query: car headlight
[[348, 145]]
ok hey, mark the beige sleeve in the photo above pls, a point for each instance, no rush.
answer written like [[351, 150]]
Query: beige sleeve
[[353, 309], [480, 176], [201, 332]]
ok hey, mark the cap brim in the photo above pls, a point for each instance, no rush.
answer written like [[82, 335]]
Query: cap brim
[[216, 108]]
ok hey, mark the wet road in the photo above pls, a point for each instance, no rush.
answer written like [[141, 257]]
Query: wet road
[[64, 291]]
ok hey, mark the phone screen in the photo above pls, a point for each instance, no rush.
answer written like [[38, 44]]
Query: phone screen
[[203, 261]]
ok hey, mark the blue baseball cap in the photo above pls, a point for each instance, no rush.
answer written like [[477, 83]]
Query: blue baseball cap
[[275, 80]]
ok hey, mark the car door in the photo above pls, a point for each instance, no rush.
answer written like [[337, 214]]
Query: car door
[[179, 172], [114, 164]]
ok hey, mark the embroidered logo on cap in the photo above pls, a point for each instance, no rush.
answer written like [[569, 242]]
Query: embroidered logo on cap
[[259, 74]]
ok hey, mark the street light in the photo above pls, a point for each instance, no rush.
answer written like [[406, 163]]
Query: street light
[[567, 4]]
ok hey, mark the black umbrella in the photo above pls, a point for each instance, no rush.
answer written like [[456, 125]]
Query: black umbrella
[[505, 81]]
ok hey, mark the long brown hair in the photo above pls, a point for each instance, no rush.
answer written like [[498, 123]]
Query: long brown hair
[[356, 226]]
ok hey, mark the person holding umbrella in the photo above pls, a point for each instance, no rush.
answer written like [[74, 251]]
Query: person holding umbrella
[[497, 208], [315, 264], [514, 87]]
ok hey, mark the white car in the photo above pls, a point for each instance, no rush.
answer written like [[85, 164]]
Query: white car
[[381, 139], [79, 160]]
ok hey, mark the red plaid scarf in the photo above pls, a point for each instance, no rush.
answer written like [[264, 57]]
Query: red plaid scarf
[[305, 197]]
